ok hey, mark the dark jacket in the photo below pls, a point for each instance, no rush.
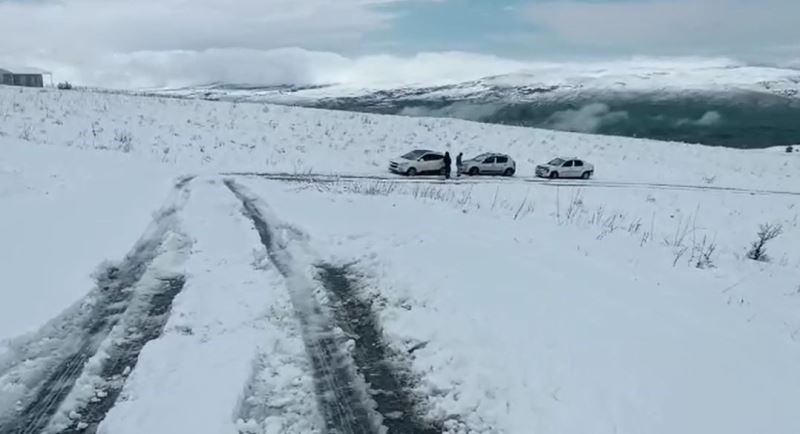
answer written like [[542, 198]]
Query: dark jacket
[[447, 160]]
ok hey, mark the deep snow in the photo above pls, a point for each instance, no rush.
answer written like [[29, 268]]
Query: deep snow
[[532, 325], [62, 213], [524, 306]]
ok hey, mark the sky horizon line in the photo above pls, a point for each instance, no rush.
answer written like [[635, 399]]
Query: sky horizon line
[[113, 41]]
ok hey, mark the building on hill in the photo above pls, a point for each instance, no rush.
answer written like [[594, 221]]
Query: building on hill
[[22, 77]]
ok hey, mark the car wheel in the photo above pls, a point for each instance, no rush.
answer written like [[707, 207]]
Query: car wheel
[[473, 171], [411, 172], [586, 175], [553, 175], [509, 172]]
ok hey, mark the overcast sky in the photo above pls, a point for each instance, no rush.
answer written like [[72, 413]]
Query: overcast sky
[[135, 43]]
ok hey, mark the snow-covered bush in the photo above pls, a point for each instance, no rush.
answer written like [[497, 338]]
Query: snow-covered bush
[[766, 232], [124, 140], [25, 132], [65, 85], [702, 252]]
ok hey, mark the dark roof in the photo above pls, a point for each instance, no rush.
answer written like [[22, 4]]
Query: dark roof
[[23, 71]]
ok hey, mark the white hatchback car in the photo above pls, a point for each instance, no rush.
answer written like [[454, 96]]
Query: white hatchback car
[[489, 164], [418, 162], [565, 168]]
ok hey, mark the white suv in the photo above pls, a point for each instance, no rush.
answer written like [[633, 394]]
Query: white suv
[[565, 168], [489, 164], [418, 162]]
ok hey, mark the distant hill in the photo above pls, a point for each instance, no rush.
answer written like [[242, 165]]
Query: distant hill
[[732, 106]]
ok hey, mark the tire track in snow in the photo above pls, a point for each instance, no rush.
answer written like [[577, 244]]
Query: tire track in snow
[[124, 355], [115, 295], [389, 386], [346, 393], [341, 399], [107, 303]]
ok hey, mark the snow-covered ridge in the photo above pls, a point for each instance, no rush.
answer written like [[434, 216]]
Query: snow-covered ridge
[[204, 136], [751, 106], [553, 81]]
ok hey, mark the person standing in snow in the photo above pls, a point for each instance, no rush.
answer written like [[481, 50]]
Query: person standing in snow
[[458, 163], [447, 163]]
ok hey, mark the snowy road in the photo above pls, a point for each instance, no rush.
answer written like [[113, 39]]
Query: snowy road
[[539, 182]]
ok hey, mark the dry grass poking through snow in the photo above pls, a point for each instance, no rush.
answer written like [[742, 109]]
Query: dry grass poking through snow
[[689, 242]]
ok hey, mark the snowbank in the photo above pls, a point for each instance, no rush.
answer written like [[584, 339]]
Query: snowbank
[[62, 213]]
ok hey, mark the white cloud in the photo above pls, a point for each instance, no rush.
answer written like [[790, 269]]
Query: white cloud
[[75, 32], [177, 68], [136, 25], [427, 68], [709, 118], [669, 26], [587, 119], [158, 43], [458, 110]]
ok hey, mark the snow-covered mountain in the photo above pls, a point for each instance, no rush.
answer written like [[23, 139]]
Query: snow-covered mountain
[[557, 81], [177, 266], [729, 105]]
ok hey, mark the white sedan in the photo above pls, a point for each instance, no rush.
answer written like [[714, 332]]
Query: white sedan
[[489, 164], [418, 162], [565, 168]]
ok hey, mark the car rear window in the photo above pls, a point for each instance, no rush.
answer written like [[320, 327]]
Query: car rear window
[[502, 159]]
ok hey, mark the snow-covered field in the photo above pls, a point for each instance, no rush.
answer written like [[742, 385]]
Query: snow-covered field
[[204, 136], [62, 213], [536, 326], [625, 305]]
